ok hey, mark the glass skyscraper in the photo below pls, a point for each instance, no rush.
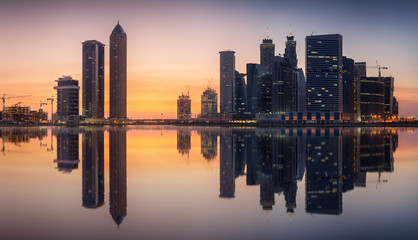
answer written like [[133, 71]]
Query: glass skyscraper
[[227, 78]]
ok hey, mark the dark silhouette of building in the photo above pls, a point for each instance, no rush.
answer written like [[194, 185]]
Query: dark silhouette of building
[[118, 79], [284, 87], [184, 107], [264, 102], [67, 150], [117, 175], [323, 73], [255, 75], [240, 93], [388, 104], [349, 89], [209, 102], [227, 84], [93, 168], [267, 53], [301, 91], [395, 110], [227, 168], [67, 98], [93, 79], [290, 51], [372, 98], [360, 70]]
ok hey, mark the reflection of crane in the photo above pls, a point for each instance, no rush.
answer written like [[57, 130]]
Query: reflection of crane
[[52, 105], [4, 99], [379, 68]]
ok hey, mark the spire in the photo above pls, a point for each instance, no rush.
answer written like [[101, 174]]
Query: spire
[[267, 37], [290, 31], [118, 29]]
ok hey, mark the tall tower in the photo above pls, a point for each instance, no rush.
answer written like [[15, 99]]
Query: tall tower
[[290, 51], [227, 77], [324, 73], [267, 53], [93, 79], [118, 83]]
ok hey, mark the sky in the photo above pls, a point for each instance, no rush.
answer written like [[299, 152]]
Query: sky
[[175, 43]]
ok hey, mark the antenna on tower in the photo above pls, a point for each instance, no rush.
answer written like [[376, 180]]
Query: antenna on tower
[[267, 37]]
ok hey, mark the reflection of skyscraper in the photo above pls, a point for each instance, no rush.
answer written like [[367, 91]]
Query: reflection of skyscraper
[[240, 154], [118, 82], [209, 145], [117, 174], [323, 172], [67, 149], [183, 141], [226, 160], [93, 168]]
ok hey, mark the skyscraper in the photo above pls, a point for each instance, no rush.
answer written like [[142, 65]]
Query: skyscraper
[[67, 98], [290, 51], [255, 74], [323, 73], [372, 98], [267, 53], [240, 93], [93, 79], [349, 87], [227, 78], [118, 82], [389, 88]]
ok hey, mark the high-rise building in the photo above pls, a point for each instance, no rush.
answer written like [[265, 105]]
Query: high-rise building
[[389, 89], [227, 84], [67, 98], [372, 98], [93, 168], [301, 91], [290, 51], [255, 74], [267, 53], [349, 87], [93, 79], [117, 175], [209, 102], [284, 87], [184, 104], [240, 93], [323, 73], [118, 81], [360, 70]]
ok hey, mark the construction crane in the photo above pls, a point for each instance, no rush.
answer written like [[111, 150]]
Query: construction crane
[[52, 105], [379, 68], [4, 99]]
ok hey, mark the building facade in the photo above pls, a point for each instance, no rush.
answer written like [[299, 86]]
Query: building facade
[[240, 93], [118, 80], [349, 88], [255, 75], [267, 53], [209, 102], [184, 104], [93, 79], [323, 73], [372, 98], [67, 98], [227, 84]]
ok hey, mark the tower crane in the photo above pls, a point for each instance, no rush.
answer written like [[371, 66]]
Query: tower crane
[[379, 68], [4, 99]]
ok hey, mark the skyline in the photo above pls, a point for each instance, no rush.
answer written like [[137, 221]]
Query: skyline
[[182, 46]]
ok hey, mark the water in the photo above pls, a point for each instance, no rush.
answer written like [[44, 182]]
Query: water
[[157, 182]]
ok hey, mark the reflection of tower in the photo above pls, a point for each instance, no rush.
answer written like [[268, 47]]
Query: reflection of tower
[[252, 160], [183, 141], [209, 145], [265, 172], [240, 154], [350, 157], [117, 174], [226, 160], [323, 172], [290, 192], [93, 169], [67, 150]]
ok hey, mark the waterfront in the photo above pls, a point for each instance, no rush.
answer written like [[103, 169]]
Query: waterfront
[[208, 182]]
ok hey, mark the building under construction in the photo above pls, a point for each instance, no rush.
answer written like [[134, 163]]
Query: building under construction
[[23, 114], [184, 106], [209, 102]]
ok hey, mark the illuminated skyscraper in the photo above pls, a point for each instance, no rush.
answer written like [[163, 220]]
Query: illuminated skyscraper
[[267, 53], [323, 73], [93, 79], [118, 82], [227, 85]]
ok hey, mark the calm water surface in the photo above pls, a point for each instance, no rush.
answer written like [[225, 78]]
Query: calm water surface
[[208, 183]]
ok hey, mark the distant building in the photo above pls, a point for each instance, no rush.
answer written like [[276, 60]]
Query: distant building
[[323, 73], [67, 99], [227, 84], [184, 104], [118, 79], [93, 79], [38, 116], [17, 114], [349, 89], [290, 51], [284, 87], [372, 98], [301, 91], [267, 53], [395, 108], [360, 70], [240, 93], [209, 102], [389, 89], [255, 75]]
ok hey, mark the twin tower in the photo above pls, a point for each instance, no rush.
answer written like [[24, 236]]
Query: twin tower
[[93, 76]]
